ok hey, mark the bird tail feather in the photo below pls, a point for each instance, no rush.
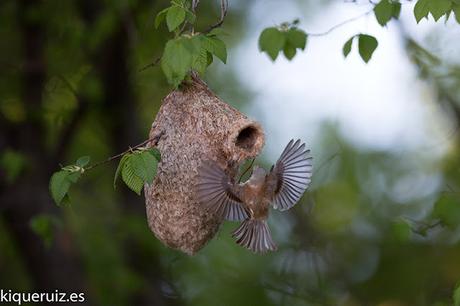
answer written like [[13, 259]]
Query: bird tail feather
[[254, 235]]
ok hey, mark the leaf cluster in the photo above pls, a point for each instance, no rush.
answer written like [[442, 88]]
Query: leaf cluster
[[385, 10], [61, 181], [190, 51], [286, 38], [366, 46], [175, 15], [437, 9], [136, 168]]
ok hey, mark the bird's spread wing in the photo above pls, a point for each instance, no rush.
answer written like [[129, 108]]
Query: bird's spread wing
[[219, 195], [290, 176]]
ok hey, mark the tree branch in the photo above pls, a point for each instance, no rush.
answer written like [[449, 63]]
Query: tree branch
[[223, 14], [154, 139], [341, 24], [156, 62]]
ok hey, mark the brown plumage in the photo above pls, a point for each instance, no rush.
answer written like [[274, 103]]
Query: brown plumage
[[249, 202]]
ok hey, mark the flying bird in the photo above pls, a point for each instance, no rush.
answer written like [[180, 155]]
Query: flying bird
[[249, 202]]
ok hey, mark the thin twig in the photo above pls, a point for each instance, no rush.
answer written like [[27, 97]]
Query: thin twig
[[154, 139], [223, 14], [156, 62], [195, 5], [247, 169], [341, 24]]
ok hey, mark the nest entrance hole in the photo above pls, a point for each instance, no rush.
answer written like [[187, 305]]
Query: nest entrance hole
[[247, 138]]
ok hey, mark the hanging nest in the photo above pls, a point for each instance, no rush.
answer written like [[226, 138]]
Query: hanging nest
[[195, 125]]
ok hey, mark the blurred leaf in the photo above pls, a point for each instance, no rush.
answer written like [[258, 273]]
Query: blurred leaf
[[296, 38], [271, 41], [447, 209], [175, 17], [13, 110], [347, 46], [289, 51], [83, 161], [367, 45], [44, 226], [128, 174], [456, 295], [421, 9], [456, 10], [439, 8], [217, 32], [13, 163], [401, 230], [191, 18], [383, 12], [160, 17], [60, 183]]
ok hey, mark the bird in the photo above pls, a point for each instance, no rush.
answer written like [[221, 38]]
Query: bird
[[249, 202]]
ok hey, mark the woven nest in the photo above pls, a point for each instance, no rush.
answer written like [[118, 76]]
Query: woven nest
[[195, 125]]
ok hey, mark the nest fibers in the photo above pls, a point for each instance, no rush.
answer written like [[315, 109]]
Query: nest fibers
[[195, 126]]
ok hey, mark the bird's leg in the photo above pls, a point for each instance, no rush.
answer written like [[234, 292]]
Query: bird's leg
[[247, 169]]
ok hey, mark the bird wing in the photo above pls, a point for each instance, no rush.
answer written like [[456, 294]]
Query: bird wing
[[290, 176], [218, 193]]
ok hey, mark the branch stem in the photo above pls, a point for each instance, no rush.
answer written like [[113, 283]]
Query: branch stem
[[154, 139]]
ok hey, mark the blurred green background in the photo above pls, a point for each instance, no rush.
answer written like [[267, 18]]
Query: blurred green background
[[70, 86]]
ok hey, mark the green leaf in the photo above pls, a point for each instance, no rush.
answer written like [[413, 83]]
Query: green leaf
[[456, 10], [367, 45], [447, 209], [347, 46], [217, 32], [191, 18], [145, 166], [119, 168], [456, 295], [383, 12], [160, 17], [175, 17], [83, 161], [421, 9], [289, 51], [439, 8], [60, 183], [296, 38], [271, 41], [44, 226], [396, 10], [176, 60], [401, 230], [215, 46], [200, 62], [128, 174], [13, 164], [156, 153], [210, 58]]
